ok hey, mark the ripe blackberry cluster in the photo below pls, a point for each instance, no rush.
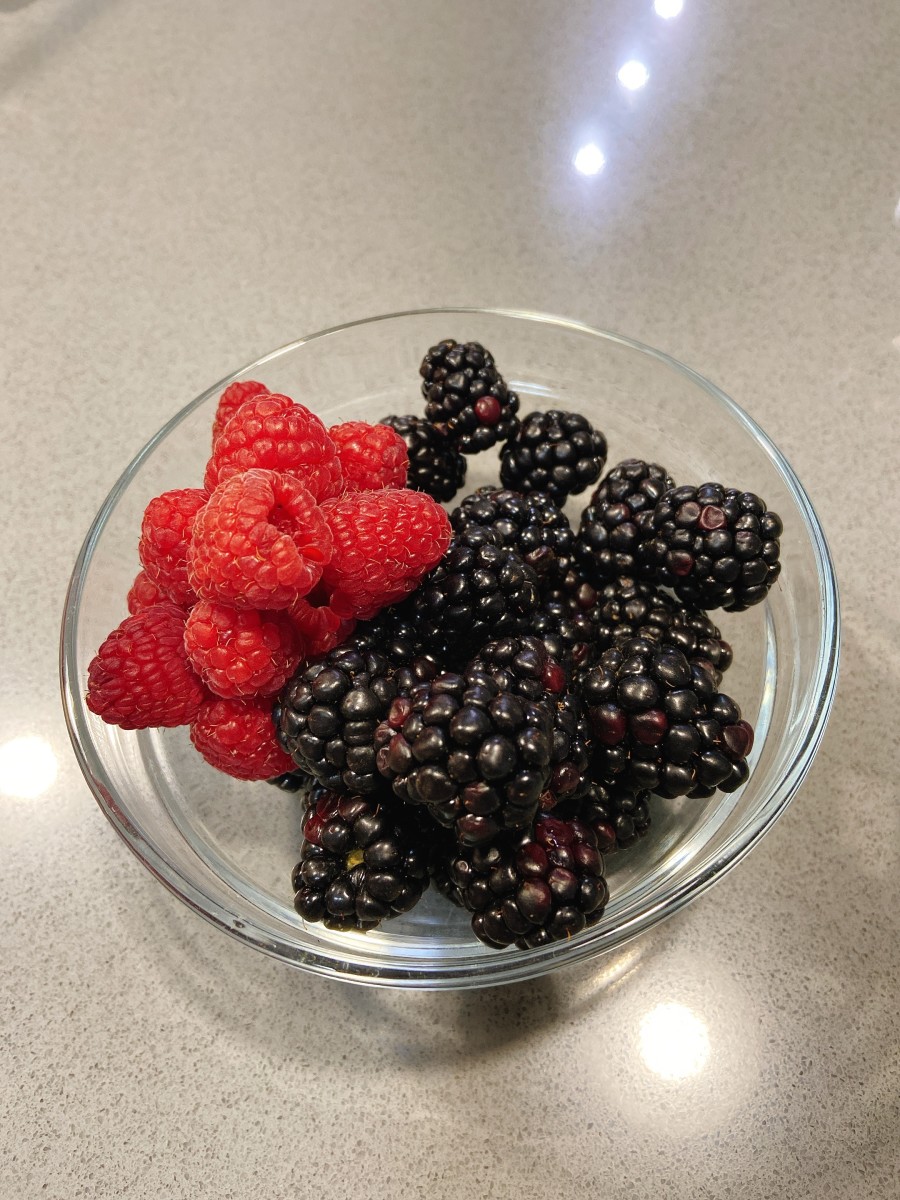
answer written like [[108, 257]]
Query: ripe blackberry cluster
[[618, 520], [363, 859], [475, 756], [715, 547], [659, 724], [556, 452], [479, 588], [488, 697], [626, 608], [327, 715], [522, 666], [435, 465], [532, 525], [466, 396], [532, 890]]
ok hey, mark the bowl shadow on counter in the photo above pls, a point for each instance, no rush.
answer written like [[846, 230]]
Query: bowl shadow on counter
[[286, 1012]]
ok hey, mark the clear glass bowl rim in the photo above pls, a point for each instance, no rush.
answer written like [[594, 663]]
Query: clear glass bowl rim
[[502, 968]]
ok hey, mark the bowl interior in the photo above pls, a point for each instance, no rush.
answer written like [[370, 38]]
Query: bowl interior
[[227, 848]]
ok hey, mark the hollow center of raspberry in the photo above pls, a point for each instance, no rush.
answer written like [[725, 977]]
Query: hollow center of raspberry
[[353, 859], [282, 520]]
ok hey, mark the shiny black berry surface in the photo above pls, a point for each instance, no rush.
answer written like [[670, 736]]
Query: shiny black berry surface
[[466, 397], [476, 757], [715, 547], [533, 525], [435, 464], [529, 891], [556, 452], [618, 520], [364, 858]]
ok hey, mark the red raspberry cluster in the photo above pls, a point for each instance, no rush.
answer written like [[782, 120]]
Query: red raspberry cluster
[[297, 532]]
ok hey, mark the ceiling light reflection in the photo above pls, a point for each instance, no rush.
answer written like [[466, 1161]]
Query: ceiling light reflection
[[590, 159], [27, 767], [633, 75], [668, 8], [674, 1041]]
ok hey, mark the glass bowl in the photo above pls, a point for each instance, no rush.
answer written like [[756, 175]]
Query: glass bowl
[[227, 848]]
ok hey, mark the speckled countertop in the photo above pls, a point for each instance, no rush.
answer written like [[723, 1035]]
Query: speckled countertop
[[188, 185]]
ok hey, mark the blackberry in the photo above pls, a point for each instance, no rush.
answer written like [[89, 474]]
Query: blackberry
[[521, 665], [531, 525], [466, 397], [618, 815], [555, 452], [715, 547], [625, 605], [626, 608], [435, 465], [618, 520], [328, 712], [530, 890], [476, 757], [660, 725], [693, 633], [363, 859], [479, 588]]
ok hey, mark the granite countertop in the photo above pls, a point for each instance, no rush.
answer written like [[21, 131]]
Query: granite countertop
[[186, 186]]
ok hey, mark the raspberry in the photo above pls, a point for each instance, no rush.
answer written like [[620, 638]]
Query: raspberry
[[384, 542], [238, 737], [372, 456], [144, 592], [141, 677], [165, 537], [321, 628], [232, 399], [241, 652], [261, 542], [275, 434]]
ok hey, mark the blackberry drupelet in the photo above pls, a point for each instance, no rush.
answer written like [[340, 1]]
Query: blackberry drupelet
[[618, 815], [363, 859], [435, 465], [476, 757], [618, 520], [530, 890], [531, 525], [478, 589], [555, 452], [660, 725], [715, 547], [466, 396]]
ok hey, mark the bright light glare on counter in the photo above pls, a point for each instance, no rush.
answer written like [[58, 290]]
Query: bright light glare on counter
[[668, 8], [633, 75], [674, 1041], [590, 159], [27, 767]]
